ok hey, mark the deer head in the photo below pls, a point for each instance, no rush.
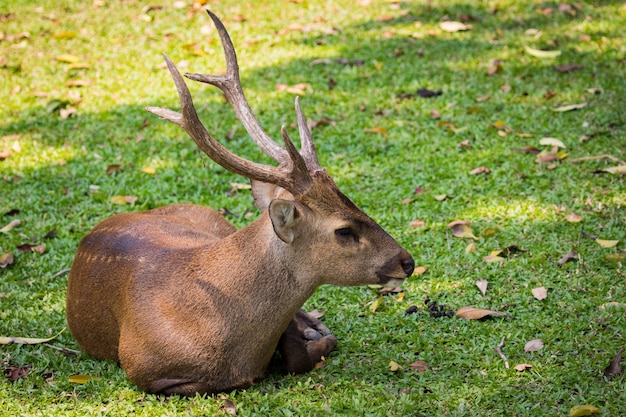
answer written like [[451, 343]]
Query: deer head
[[305, 206]]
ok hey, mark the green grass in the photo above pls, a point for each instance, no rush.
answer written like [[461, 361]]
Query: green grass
[[55, 162]]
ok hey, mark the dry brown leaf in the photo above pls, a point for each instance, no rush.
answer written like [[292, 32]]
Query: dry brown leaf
[[27, 247], [6, 259], [568, 257], [472, 313], [453, 26], [416, 224], [420, 366], [570, 107], [229, 407], [482, 285], [419, 270], [113, 168], [567, 67], [471, 248], [12, 224], [552, 142], [533, 345], [462, 230], [607, 243], [123, 199], [574, 218], [522, 367], [620, 169], [8, 340], [540, 293], [493, 258], [316, 313], [615, 367], [480, 170]]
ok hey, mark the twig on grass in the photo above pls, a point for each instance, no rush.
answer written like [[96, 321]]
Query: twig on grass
[[499, 350], [593, 158], [61, 272], [65, 350]]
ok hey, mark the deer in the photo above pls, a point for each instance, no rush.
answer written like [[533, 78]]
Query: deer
[[186, 303]]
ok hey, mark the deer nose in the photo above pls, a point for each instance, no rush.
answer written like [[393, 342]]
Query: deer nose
[[408, 265]]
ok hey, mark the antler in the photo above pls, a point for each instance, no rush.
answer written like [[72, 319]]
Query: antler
[[294, 170]]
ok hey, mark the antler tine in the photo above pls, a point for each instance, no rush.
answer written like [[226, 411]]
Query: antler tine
[[290, 178], [307, 145], [230, 84]]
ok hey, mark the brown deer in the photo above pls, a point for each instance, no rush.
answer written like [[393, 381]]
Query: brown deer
[[188, 304]]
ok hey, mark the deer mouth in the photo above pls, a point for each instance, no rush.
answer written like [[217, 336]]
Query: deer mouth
[[390, 282]]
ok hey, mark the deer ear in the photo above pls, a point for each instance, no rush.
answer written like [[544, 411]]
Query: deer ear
[[264, 193], [285, 217]]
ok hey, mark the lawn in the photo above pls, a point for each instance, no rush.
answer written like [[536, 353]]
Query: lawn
[[510, 120]]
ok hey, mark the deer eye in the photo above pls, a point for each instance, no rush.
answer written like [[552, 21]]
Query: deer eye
[[343, 232], [346, 232]]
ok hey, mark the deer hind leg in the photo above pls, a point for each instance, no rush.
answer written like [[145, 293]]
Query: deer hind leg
[[304, 343]]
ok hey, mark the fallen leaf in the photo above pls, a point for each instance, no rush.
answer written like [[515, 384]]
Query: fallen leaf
[[65, 34], [489, 232], [67, 58], [229, 407], [113, 168], [568, 257], [583, 410], [440, 197], [123, 199], [378, 130], [394, 366], [416, 224], [533, 345], [316, 313], [78, 83], [538, 53], [551, 142], [434, 114], [480, 170], [376, 303], [462, 230], [607, 243], [522, 367], [540, 293], [425, 93], [471, 248], [27, 247], [419, 270], [4, 340], [472, 313], [82, 379], [567, 67], [493, 258], [574, 218], [616, 257], [620, 169], [528, 149], [483, 98], [14, 372], [482, 285], [420, 366], [570, 107], [453, 26], [10, 226], [6, 259], [615, 367], [5, 154]]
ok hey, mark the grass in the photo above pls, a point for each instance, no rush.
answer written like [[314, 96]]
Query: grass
[[56, 177]]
